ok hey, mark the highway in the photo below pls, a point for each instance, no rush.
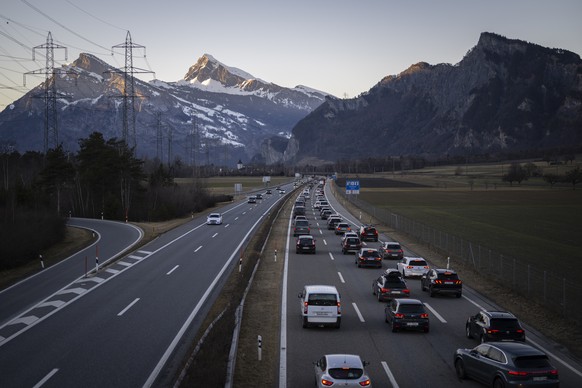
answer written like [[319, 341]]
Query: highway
[[131, 321], [402, 359]]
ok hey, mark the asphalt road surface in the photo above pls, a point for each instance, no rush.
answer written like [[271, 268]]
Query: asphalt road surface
[[129, 323], [402, 359]]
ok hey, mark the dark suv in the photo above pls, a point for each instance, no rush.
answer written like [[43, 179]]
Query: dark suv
[[351, 244], [390, 285], [391, 250], [441, 281], [494, 326], [368, 232]]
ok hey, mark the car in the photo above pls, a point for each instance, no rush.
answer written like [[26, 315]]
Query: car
[[324, 209], [351, 244], [299, 211], [441, 281], [506, 364], [269, 191], [332, 221], [321, 306], [214, 219], [390, 285], [325, 214], [301, 227], [343, 370], [412, 266], [252, 199], [281, 191], [407, 314], [297, 218], [494, 326], [368, 257], [348, 234], [368, 232], [342, 227], [259, 196], [391, 250], [305, 244]]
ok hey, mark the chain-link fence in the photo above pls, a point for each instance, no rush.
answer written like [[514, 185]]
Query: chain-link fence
[[550, 290]]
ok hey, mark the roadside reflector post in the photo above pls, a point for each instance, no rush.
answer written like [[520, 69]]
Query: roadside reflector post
[[260, 347], [96, 258], [41, 261], [275, 255], [240, 265], [448, 262]]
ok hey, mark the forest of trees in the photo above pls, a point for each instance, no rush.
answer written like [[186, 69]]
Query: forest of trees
[[103, 179]]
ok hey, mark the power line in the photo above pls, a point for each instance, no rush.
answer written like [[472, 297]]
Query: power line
[[95, 17]]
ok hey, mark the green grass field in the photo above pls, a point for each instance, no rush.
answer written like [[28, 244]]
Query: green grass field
[[225, 185], [531, 222]]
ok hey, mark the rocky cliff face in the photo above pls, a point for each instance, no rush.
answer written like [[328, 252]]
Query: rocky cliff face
[[504, 95]]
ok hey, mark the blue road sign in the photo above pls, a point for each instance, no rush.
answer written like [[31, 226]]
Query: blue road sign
[[352, 186]]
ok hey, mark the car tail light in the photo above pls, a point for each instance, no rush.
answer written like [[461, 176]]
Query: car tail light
[[426, 267], [327, 383], [305, 304], [520, 331], [339, 308], [424, 315], [553, 372], [492, 331], [437, 281], [398, 315], [517, 373], [406, 291], [365, 383], [384, 290], [409, 267]]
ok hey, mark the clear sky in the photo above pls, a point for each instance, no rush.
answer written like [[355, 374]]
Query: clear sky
[[343, 47]]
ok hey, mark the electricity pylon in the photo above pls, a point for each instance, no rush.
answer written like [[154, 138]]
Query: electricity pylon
[[128, 96], [51, 132]]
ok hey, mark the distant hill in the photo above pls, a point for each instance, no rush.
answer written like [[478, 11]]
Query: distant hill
[[215, 115], [504, 95]]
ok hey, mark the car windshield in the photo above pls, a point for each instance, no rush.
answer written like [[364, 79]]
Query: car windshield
[[322, 300], [504, 323], [417, 263], [537, 362], [411, 308], [346, 373]]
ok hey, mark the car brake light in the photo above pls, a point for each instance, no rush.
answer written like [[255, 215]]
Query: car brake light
[[406, 291], [384, 290], [365, 383], [520, 331], [398, 315], [517, 373], [426, 267], [553, 372], [305, 307], [409, 267], [492, 331], [327, 383], [339, 308], [437, 281], [424, 315]]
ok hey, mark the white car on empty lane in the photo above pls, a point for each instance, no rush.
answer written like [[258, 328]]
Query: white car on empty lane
[[214, 219]]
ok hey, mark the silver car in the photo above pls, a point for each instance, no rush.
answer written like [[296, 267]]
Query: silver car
[[343, 370], [214, 219], [412, 266]]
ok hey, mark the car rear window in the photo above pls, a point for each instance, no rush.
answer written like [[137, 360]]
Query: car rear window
[[411, 308], [370, 254], [393, 246], [504, 323], [346, 373], [535, 362], [302, 223], [450, 276], [322, 300], [418, 263]]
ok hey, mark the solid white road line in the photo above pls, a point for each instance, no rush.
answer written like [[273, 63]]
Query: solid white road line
[[46, 378], [390, 375], [172, 270], [341, 277], [358, 312], [197, 249], [440, 318], [475, 303], [128, 307]]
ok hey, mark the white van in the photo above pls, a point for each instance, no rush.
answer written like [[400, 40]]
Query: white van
[[320, 305]]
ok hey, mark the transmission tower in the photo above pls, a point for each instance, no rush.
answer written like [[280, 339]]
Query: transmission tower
[[51, 132], [159, 137], [128, 96]]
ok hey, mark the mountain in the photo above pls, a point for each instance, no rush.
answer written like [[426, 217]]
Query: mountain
[[504, 95], [221, 112]]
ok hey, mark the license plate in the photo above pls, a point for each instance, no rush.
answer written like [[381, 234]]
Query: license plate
[[412, 324], [540, 378], [448, 282], [396, 292], [322, 313]]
